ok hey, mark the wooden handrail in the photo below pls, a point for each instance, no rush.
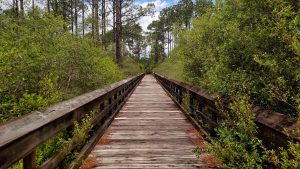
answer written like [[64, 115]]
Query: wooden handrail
[[274, 129], [20, 138]]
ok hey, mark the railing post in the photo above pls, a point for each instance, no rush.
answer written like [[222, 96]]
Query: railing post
[[29, 162], [180, 92], [191, 103]]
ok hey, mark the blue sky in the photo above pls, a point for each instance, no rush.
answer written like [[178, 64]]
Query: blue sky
[[159, 5], [170, 2]]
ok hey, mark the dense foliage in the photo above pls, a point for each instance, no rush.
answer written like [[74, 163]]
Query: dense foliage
[[237, 143], [42, 63], [173, 67], [56, 53], [243, 49], [235, 47], [246, 49]]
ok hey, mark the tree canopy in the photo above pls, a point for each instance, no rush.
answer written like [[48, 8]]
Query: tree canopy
[[247, 50]]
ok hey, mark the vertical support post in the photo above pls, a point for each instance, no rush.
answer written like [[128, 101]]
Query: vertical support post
[[29, 162], [191, 102], [180, 95]]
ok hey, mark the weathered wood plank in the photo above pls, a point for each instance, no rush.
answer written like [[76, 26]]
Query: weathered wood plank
[[153, 165], [150, 131], [20, 137]]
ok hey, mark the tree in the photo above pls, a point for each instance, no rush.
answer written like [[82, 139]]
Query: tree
[[96, 30], [76, 16], [72, 16], [48, 6], [185, 12], [83, 18], [103, 23], [248, 50], [22, 7], [51, 67], [134, 40], [16, 4], [156, 38], [126, 13], [168, 18], [118, 30], [202, 6]]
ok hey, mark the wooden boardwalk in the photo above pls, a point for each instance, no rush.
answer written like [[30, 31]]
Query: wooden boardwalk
[[150, 131]]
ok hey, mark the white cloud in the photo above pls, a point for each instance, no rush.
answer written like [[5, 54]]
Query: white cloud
[[146, 20], [159, 4]]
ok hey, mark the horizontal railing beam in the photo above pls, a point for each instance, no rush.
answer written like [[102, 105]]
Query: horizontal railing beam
[[274, 129], [19, 138]]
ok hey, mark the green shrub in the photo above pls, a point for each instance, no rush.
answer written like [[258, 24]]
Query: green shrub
[[244, 48], [172, 67], [79, 138], [250, 47], [286, 158], [289, 157], [41, 63], [237, 145], [131, 66]]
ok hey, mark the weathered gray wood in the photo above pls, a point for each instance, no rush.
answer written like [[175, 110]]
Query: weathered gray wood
[[93, 141], [29, 162], [150, 131], [20, 137], [274, 129]]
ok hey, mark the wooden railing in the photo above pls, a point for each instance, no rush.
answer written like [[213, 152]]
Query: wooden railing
[[20, 138], [200, 105]]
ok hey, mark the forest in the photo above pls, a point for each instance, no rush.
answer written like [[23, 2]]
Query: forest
[[249, 50]]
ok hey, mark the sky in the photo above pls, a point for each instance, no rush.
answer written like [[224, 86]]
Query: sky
[[159, 5], [144, 21]]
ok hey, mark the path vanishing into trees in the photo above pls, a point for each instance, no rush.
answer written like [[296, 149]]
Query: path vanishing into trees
[[146, 121], [150, 131]]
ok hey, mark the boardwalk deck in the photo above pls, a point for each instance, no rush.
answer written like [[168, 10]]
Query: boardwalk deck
[[150, 131]]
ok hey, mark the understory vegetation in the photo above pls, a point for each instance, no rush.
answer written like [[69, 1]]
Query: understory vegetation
[[41, 64], [43, 61], [63, 143], [250, 51], [245, 47]]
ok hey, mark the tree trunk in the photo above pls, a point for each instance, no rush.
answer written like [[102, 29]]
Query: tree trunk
[[22, 7], [83, 26], [64, 12], [33, 6], [76, 16], [72, 17], [17, 7], [56, 9], [186, 24], [97, 32], [172, 42], [114, 20], [93, 18], [118, 32], [48, 6], [168, 43], [14, 6], [156, 54], [103, 23]]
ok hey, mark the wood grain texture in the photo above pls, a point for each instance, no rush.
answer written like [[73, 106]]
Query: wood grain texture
[[150, 131], [20, 137]]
